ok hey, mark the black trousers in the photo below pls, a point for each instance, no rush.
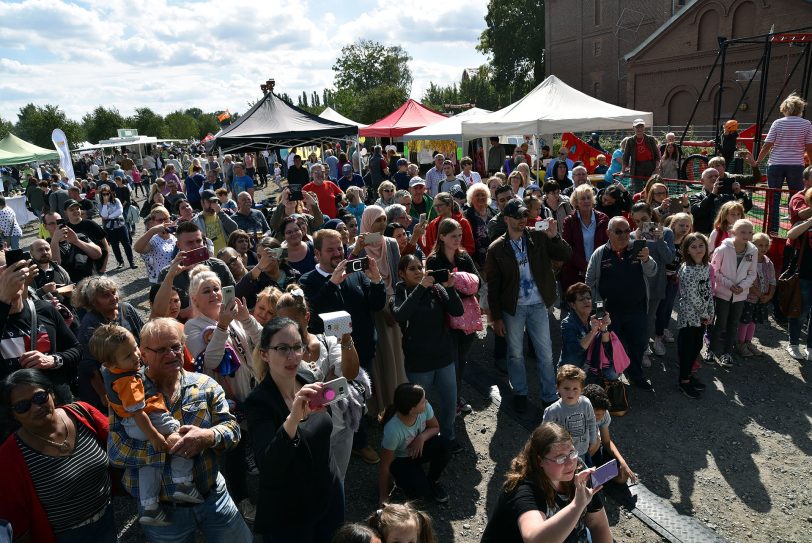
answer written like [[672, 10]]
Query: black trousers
[[689, 345], [409, 474], [117, 237]]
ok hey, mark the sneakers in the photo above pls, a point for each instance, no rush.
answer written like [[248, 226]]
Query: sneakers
[[154, 517], [438, 492], [708, 356], [659, 346], [646, 361], [668, 336], [648, 350], [697, 384], [755, 351], [520, 403], [689, 390], [725, 361], [643, 384], [251, 462], [367, 454], [743, 351], [795, 352], [247, 509], [463, 407], [187, 493]]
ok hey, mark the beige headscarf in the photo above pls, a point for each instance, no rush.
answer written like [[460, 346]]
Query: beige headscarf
[[378, 251]]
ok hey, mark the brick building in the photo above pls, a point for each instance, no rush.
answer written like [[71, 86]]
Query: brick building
[[675, 45]]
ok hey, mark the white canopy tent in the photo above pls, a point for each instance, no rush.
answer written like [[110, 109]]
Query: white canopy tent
[[332, 115], [449, 129], [551, 108]]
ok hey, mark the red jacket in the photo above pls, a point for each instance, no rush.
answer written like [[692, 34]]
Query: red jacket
[[574, 269], [19, 503], [468, 242]]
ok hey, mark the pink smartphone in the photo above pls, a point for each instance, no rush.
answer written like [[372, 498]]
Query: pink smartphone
[[196, 256]]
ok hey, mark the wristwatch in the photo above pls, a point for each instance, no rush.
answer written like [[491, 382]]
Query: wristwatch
[[58, 362]]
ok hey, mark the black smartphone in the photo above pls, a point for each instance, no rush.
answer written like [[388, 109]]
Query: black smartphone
[[637, 246], [359, 264], [440, 276], [599, 311], [295, 193], [16, 255], [171, 229], [61, 223], [49, 276]]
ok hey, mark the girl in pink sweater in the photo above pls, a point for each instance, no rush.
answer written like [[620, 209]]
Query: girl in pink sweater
[[735, 265]]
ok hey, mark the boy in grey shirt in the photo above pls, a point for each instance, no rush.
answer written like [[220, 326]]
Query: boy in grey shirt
[[574, 412]]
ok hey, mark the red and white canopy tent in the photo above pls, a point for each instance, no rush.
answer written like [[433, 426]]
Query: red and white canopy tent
[[407, 118]]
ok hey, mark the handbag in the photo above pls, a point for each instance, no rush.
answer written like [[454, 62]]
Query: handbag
[[470, 321], [789, 285], [618, 397], [609, 353]]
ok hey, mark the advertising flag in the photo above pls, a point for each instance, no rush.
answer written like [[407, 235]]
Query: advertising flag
[[61, 144]]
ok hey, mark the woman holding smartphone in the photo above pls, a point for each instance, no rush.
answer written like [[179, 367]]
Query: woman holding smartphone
[[301, 498], [112, 214]]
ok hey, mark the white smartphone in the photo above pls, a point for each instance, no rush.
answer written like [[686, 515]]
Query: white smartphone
[[331, 392], [228, 295]]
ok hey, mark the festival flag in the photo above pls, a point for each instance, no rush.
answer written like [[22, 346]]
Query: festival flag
[[61, 144], [578, 149], [224, 115]]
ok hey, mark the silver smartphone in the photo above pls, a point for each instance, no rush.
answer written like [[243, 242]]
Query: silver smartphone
[[228, 295]]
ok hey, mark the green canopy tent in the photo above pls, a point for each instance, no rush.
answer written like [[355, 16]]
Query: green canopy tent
[[14, 150]]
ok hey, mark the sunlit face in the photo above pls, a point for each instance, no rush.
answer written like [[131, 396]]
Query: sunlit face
[[417, 192], [352, 227], [379, 225], [579, 176], [263, 311], [280, 365], [185, 209], [189, 241], [106, 303], [732, 216], [208, 298], [36, 415], [640, 217], [619, 234], [585, 201], [293, 234], [244, 202], [559, 472], [331, 254], [401, 237], [345, 233], [659, 192], [763, 245], [41, 252], [697, 250], [503, 199], [743, 232], [452, 240], [569, 390], [128, 357], [242, 244], [583, 303], [174, 305], [404, 219], [681, 227]]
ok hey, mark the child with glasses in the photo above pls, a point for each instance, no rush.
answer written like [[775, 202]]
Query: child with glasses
[[145, 416], [574, 412]]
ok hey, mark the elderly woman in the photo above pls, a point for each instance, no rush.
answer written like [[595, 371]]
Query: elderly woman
[[545, 475], [399, 214], [404, 198], [786, 142], [584, 230], [221, 338], [387, 367], [157, 245], [580, 328], [301, 497], [240, 241], [98, 296], [56, 484], [301, 254], [478, 213], [56, 350], [386, 193], [288, 207]]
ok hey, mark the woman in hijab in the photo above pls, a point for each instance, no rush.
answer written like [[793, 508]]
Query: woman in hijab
[[387, 368]]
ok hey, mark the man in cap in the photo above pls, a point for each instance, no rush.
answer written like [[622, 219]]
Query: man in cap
[[595, 142], [86, 205], [641, 155], [91, 229], [421, 202], [349, 178], [435, 175], [401, 178], [521, 286], [213, 221]]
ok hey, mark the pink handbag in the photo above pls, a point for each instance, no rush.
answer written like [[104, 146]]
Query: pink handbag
[[467, 284], [619, 359]]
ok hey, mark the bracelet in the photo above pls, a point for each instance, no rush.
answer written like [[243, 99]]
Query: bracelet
[[221, 328], [348, 346]]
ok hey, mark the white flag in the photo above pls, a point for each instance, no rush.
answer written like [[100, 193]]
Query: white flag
[[61, 144]]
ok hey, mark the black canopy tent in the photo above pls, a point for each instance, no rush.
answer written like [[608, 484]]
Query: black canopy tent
[[272, 122]]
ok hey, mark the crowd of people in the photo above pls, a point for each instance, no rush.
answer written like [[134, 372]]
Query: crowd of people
[[227, 376]]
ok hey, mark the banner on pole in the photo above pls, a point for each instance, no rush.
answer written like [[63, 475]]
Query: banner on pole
[[61, 144]]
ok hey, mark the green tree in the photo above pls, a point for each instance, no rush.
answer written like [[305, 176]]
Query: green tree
[[477, 89], [35, 124], [181, 126], [147, 122], [194, 112], [517, 64], [102, 124], [377, 77], [5, 127], [207, 122]]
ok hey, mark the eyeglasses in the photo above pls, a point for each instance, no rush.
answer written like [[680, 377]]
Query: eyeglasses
[[583, 298], [619, 232], [174, 349], [285, 350], [232, 261], [572, 455], [39, 398]]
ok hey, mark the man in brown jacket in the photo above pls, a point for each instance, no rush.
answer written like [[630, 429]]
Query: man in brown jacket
[[521, 286]]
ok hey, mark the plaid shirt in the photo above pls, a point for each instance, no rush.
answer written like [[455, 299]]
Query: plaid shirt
[[202, 403]]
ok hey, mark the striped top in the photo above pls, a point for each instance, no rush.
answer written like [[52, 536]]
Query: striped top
[[789, 136], [74, 488]]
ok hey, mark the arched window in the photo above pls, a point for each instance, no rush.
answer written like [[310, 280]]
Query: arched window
[[708, 29], [679, 107], [744, 20]]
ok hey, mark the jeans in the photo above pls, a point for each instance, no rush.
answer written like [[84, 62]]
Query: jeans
[[101, 531], [776, 173], [409, 475], [535, 319], [632, 330], [443, 383], [462, 344], [13, 242], [120, 236], [727, 320], [217, 518], [796, 322], [664, 308]]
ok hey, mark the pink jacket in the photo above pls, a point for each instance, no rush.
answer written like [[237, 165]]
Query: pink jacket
[[729, 274]]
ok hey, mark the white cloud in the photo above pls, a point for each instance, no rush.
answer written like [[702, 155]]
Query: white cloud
[[212, 54]]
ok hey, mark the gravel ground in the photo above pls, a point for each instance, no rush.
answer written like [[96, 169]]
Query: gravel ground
[[735, 460]]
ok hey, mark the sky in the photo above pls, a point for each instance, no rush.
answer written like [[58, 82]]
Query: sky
[[212, 54]]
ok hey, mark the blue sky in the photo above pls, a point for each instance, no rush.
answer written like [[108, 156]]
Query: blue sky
[[213, 54]]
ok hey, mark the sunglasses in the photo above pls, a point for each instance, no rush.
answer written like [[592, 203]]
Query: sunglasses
[[40, 398]]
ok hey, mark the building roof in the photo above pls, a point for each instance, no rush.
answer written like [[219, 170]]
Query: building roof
[[660, 31]]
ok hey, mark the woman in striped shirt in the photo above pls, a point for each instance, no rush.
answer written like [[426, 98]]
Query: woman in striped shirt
[[786, 142]]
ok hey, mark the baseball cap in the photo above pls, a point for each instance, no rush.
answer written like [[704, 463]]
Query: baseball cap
[[457, 192], [638, 122], [402, 162], [346, 168], [70, 203], [515, 209], [416, 180], [532, 186], [209, 195]]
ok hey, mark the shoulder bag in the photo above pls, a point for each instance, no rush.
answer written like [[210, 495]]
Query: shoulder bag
[[789, 284]]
